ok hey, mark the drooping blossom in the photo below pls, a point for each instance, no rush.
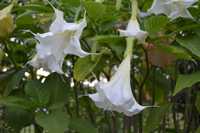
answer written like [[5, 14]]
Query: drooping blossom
[[133, 30], [116, 95], [61, 40], [172, 8]]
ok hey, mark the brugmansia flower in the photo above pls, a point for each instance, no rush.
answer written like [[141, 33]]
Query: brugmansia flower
[[62, 39], [116, 95], [172, 8], [133, 30]]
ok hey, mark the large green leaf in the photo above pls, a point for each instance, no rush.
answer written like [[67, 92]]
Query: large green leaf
[[155, 24], [18, 102], [116, 43], [84, 66], [5, 78], [17, 118], [82, 126], [37, 93], [155, 117], [57, 88], [184, 81], [14, 82], [95, 10], [191, 43], [54, 122]]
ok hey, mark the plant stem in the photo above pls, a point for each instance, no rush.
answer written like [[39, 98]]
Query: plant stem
[[130, 41], [76, 98], [141, 88], [114, 123], [134, 10], [118, 4]]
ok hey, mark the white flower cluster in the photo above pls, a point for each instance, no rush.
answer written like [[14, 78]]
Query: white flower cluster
[[63, 38]]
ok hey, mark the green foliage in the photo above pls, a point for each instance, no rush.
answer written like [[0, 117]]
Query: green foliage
[[38, 94], [59, 103], [153, 121], [82, 126], [190, 43], [155, 24], [85, 66], [185, 81], [53, 121]]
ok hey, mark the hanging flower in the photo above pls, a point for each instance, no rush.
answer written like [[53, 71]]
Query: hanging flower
[[172, 8], [61, 40], [133, 30], [116, 95]]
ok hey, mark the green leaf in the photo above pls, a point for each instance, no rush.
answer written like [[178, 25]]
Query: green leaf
[[114, 42], [191, 43], [95, 10], [57, 88], [25, 19], [18, 102], [5, 78], [82, 126], [14, 82], [38, 94], [155, 24], [84, 66], [17, 118], [54, 122], [153, 121], [184, 81], [38, 8], [71, 2]]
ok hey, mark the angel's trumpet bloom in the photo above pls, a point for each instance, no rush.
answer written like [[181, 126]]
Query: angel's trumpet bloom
[[172, 8], [133, 30], [62, 39], [116, 95]]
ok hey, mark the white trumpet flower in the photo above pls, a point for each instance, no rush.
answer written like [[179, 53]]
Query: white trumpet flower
[[116, 95], [61, 40], [133, 30], [172, 8]]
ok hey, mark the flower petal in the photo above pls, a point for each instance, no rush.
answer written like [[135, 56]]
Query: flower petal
[[116, 95], [62, 39], [74, 48], [133, 30], [172, 8]]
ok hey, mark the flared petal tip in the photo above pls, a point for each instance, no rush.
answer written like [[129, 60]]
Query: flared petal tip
[[123, 33]]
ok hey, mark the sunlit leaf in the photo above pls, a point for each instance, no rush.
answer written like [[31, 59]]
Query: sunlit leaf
[[191, 43], [184, 81]]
